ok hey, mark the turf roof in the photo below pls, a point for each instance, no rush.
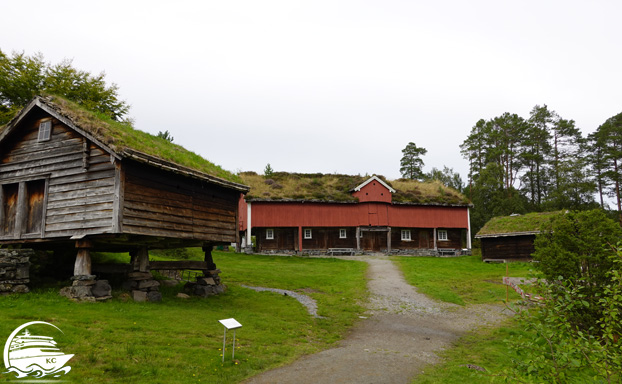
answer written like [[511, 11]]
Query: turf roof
[[125, 141], [283, 186], [518, 224]]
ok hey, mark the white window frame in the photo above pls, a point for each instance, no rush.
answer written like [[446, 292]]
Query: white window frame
[[45, 130], [343, 233], [269, 234], [307, 233], [406, 235], [442, 235]]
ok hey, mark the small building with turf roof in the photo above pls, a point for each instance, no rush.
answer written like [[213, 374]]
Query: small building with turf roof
[[296, 213], [511, 238], [74, 181]]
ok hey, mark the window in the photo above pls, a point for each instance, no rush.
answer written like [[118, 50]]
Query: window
[[343, 233], [269, 234], [22, 208], [307, 233], [406, 235], [442, 235], [45, 130]]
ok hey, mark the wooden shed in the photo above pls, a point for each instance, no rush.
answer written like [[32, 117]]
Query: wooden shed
[[70, 179], [315, 213], [511, 238]]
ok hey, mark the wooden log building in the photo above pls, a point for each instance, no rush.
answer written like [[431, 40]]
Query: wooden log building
[[72, 181], [316, 214], [511, 238]]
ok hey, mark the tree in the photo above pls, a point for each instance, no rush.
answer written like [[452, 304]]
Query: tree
[[411, 164], [447, 176], [570, 248], [23, 77], [268, 171], [608, 138]]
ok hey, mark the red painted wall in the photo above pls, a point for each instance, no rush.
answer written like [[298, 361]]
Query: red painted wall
[[373, 191], [283, 214]]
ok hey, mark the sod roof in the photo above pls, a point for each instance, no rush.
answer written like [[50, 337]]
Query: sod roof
[[516, 225], [122, 140], [283, 186]]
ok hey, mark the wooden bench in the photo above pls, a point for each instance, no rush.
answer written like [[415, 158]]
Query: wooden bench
[[342, 251], [446, 251]]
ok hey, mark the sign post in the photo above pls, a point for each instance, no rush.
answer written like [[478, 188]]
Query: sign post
[[229, 324]]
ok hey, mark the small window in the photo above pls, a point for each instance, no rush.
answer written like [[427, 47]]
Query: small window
[[269, 234], [45, 130], [343, 233], [307, 233], [406, 235], [442, 235]]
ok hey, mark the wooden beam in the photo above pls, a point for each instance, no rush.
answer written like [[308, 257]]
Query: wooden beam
[[182, 264], [82, 266]]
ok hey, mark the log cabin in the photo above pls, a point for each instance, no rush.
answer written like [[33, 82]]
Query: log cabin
[[71, 180], [511, 238], [291, 213]]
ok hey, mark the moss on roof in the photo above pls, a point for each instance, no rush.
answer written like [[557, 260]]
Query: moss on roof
[[338, 188], [120, 137], [531, 222]]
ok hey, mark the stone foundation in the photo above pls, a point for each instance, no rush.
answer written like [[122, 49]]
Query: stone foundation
[[14, 270], [86, 288], [208, 285], [143, 286]]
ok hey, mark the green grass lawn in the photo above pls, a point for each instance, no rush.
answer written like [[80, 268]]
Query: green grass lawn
[[461, 280], [180, 341]]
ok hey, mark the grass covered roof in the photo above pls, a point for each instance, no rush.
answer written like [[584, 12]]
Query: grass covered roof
[[125, 141], [530, 223], [338, 188]]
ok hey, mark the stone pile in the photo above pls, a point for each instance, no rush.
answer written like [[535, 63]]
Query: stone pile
[[143, 286], [86, 288], [207, 285], [14, 270]]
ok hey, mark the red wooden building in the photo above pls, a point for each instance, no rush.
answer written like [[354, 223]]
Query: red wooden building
[[369, 216]]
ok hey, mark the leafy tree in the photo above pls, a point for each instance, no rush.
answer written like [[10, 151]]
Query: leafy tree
[[556, 349], [447, 176], [166, 135], [411, 164], [22, 77], [570, 248]]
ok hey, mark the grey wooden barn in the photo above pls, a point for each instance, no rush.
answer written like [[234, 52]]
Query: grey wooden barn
[[72, 180]]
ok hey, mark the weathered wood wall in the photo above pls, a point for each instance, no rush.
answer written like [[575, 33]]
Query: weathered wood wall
[[508, 247], [69, 183], [159, 203]]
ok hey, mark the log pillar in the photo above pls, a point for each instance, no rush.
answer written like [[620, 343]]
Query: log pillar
[[389, 241], [82, 267], [208, 256]]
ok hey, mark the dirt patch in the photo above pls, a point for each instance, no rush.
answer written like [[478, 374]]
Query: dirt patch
[[403, 332]]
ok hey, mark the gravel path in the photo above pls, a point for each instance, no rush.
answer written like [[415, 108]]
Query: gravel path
[[402, 334], [305, 300]]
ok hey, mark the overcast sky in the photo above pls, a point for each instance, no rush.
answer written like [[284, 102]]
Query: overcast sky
[[333, 86]]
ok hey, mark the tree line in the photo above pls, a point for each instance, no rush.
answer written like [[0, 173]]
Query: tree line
[[540, 163]]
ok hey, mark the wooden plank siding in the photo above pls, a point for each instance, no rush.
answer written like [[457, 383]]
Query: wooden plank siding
[[75, 197], [159, 203], [513, 248]]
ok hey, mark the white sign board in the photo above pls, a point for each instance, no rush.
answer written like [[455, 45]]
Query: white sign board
[[230, 323]]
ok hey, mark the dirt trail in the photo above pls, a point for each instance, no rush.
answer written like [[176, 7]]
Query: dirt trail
[[402, 334]]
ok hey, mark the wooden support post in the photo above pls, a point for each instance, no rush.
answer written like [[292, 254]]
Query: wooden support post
[[299, 241], [358, 238], [207, 248], [82, 267], [389, 241], [140, 259]]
